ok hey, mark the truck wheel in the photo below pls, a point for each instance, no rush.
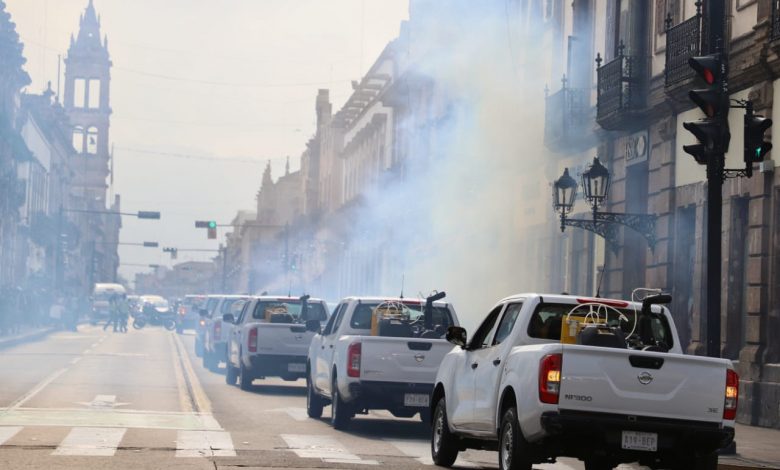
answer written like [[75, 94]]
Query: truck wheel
[[339, 412], [444, 444], [230, 374], [514, 450], [244, 378], [313, 401]]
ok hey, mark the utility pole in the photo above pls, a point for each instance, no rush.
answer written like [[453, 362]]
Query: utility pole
[[716, 10]]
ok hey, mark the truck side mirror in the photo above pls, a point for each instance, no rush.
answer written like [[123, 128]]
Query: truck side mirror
[[228, 318], [457, 336], [313, 325]]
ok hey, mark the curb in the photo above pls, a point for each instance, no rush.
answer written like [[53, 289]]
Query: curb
[[32, 336]]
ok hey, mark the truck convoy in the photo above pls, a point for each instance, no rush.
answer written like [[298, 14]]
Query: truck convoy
[[270, 338], [604, 381], [378, 353]]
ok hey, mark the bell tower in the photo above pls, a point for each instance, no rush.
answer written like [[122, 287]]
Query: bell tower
[[86, 101]]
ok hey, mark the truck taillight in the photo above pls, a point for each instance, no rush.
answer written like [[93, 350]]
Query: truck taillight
[[252, 343], [550, 378], [217, 329], [732, 395], [182, 310], [353, 360]]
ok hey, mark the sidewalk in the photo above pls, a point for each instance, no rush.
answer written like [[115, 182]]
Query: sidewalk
[[757, 448], [27, 334]]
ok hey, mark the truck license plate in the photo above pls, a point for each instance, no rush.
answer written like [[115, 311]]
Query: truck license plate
[[417, 400], [295, 367], [647, 441]]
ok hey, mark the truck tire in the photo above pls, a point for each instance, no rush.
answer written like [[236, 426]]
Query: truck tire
[[230, 374], [244, 378], [339, 411], [444, 444], [314, 402], [513, 450]]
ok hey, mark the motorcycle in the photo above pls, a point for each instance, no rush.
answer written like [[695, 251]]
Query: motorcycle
[[155, 316]]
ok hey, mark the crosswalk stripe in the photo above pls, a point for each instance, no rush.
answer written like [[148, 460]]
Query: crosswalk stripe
[[91, 442], [326, 448], [7, 432], [421, 451], [204, 444]]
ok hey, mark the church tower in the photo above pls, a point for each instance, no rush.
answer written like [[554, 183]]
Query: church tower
[[86, 101]]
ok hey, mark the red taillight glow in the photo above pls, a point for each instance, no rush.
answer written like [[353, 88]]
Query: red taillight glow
[[353, 360], [202, 322], [182, 310], [252, 343], [217, 329], [732, 395], [550, 378]]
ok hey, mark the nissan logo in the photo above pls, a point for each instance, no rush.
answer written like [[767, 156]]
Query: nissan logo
[[419, 357], [645, 378]]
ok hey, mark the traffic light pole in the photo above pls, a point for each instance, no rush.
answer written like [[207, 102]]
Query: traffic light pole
[[716, 12]]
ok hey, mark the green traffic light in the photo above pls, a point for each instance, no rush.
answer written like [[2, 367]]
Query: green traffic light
[[212, 224]]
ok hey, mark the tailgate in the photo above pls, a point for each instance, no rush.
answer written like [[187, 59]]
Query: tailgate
[[641, 383], [283, 339], [408, 360]]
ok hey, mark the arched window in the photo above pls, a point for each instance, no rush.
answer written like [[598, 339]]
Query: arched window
[[78, 139], [92, 140]]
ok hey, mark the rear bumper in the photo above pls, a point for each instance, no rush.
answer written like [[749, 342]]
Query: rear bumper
[[373, 395], [271, 365], [566, 429]]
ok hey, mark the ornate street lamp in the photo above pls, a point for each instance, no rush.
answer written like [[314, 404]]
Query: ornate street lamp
[[595, 185]]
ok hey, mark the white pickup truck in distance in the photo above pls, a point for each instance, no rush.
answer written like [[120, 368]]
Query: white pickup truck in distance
[[270, 338], [216, 332], [604, 381], [378, 353]]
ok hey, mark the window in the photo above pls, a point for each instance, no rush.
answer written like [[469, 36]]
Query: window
[[78, 139], [507, 323], [233, 306], [361, 319], [290, 310], [481, 338], [79, 93], [93, 98], [329, 327], [92, 143]]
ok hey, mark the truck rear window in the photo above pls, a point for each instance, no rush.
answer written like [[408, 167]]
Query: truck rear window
[[650, 330], [288, 311], [408, 321]]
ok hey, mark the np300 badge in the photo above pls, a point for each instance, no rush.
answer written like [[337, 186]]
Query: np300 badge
[[645, 378]]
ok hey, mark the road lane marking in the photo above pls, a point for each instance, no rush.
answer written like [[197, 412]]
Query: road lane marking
[[421, 451], [91, 442], [184, 399], [322, 447], [115, 418], [75, 360], [7, 432], [204, 444], [35, 390], [199, 398], [102, 402]]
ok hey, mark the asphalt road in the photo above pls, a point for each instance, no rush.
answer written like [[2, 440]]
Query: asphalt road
[[96, 399]]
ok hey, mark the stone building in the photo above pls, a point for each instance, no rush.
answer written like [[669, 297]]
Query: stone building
[[625, 77], [87, 104]]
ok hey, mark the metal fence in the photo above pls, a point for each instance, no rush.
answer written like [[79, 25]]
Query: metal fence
[[566, 115], [683, 41]]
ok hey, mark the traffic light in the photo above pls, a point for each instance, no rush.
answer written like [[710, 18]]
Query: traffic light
[[755, 146], [173, 251], [149, 215], [712, 132], [212, 229]]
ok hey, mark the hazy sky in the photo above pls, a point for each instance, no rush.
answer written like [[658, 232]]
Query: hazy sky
[[232, 80]]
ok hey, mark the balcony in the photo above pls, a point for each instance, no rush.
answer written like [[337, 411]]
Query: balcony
[[620, 94], [683, 41], [567, 119]]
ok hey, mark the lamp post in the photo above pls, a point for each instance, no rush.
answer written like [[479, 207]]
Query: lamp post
[[595, 184]]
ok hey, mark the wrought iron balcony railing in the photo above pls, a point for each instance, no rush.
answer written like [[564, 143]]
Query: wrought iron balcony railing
[[567, 118], [619, 94], [775, 32], [683, 41]]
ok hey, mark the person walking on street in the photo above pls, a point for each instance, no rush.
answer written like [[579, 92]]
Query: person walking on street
[[123, 310], [113, 314]]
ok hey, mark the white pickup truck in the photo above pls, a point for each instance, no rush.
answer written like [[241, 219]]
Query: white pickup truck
[[270, 338], [604, 381], [378, 353]]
